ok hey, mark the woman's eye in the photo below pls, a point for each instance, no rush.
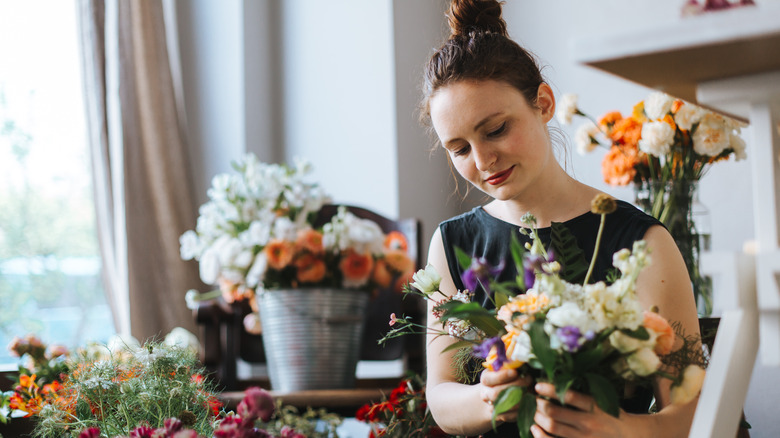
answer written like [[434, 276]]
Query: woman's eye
[[462, 151], [498, 131]]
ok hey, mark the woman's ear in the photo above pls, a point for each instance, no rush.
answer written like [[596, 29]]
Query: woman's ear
[[545, 101]]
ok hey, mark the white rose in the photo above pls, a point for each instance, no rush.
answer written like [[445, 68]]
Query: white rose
[[657, 138], [585, 138], [711, 136], [643, 362], [687, 115], [209, 266], [365, 236], [657, 105], [190, 245], [567, 108], [689, 388], [426, 280]]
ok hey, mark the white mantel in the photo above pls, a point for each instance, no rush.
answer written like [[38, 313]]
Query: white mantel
[[728, 61]]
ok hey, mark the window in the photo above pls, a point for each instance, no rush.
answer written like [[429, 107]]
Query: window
[[50, 267]]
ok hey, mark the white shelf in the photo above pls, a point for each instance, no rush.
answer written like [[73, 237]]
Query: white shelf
[[679, 56]]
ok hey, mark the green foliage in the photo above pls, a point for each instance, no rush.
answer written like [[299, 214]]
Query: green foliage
[[128, 389], [568, 253], [312, 423]]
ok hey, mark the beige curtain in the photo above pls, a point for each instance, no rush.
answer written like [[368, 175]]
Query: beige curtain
[[140, 162]]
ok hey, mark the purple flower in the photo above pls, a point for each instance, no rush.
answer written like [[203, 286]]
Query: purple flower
[[532, 264], [480, 273], [483, 351], [570, 338]]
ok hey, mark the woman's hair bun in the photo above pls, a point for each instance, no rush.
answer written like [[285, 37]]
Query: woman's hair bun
[[475, 15]]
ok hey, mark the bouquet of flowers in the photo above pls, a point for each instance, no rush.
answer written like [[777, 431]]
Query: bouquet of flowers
[[404, 413], [663, 139], [257, 231], [592, 338], [664, 148]]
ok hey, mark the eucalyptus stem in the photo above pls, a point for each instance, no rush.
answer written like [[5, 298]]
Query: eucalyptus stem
[[596, 249]]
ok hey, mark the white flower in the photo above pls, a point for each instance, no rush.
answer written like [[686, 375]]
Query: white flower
[[643, 362], [569, 314], [657, 105], [209, 266], [257, 272], [123, 343], [183, 338], [567, 108], [688, 115], [657, 138], [284, 229], [252, 324], [711, 136], [520, 347], [585, 137], [190, 245], [191, 298], [426, 280], [625, 343], [738, 144], [689, 388]]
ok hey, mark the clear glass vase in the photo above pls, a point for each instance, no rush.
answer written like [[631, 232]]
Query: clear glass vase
[[676, 204]]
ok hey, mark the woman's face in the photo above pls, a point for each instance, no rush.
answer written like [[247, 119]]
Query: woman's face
[[495, 139]]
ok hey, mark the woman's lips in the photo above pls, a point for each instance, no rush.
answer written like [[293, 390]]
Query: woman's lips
[[499, 177]]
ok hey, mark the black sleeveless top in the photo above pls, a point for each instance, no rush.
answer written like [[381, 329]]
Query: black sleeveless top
[[481, 235]]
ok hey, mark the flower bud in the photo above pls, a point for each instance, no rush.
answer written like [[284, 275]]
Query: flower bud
[[603, 204]]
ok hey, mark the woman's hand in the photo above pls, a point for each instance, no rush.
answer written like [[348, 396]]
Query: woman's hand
[[580, 417], [493, 382]]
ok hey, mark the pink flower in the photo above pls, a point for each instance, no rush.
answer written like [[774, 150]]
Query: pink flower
[[393, 319], [90, 432], [257, 403]]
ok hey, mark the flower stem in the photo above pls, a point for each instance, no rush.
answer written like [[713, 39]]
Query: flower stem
[[595, 250]]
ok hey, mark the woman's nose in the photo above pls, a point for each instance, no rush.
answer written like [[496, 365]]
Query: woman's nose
[[484, 157]]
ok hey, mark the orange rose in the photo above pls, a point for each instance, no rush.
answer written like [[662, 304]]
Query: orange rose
[[356, 268], [310, 240], [310, 269], [279, 252], [664, 341], [396, 240], [617, 167]]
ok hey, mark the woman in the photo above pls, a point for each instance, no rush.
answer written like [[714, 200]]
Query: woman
[[489, 107]]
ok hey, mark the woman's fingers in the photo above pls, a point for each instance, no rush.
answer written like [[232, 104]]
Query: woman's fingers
[[571, 399]]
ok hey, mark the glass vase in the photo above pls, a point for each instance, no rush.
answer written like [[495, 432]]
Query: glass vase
[[676, 204]]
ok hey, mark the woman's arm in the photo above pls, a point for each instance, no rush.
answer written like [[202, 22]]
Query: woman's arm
[[458, 409], [663, 283]]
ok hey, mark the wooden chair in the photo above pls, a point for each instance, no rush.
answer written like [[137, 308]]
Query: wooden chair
[[225, 342]]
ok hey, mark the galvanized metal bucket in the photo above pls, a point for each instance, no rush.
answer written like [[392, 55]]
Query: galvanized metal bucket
[[312, 337]]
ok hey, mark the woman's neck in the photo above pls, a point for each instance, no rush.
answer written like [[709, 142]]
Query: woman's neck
[[561, 198]]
